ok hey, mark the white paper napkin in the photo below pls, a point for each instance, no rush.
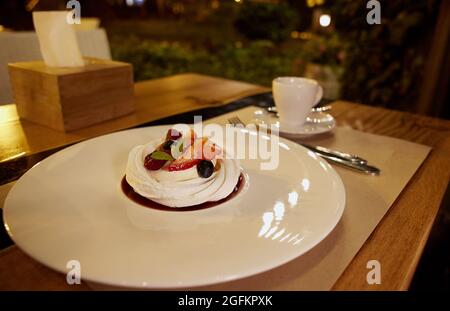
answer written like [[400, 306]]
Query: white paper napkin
[[57, 39]]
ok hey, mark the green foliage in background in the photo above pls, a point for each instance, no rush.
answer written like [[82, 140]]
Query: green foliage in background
[[266, 21], [213, 46], [326, 49], [384, 63], [154, 59]]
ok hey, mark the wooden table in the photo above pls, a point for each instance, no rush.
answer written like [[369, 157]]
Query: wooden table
[[398, 240]]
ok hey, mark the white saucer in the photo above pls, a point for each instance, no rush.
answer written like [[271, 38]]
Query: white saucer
[[316, 123]]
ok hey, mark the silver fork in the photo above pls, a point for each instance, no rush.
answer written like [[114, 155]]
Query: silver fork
[[337, 157]]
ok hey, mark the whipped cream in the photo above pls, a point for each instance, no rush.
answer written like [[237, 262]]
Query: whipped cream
[[180, 188]]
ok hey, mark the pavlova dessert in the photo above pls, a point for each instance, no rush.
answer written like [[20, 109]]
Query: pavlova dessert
[[182, 170]]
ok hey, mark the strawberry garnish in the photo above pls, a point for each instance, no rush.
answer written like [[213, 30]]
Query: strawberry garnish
[[187, 150], [202, 149], [153, 164], [155, 160], [182, 164]]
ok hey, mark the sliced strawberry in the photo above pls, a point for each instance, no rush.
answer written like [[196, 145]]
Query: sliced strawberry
[[182, 164], [200, 149], [203, 149], [153, 164]]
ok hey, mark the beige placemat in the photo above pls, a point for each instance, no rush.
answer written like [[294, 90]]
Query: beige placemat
[[368, 200]]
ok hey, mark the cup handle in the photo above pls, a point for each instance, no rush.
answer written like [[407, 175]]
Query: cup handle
[[319, 95]]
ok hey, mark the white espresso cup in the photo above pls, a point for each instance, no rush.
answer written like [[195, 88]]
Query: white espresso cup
[[294, 98]]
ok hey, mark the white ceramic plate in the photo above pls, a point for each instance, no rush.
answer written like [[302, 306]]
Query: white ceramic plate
[[71, 207]]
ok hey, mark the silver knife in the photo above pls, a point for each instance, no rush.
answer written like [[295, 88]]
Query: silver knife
[[360, 167], [335, 153]]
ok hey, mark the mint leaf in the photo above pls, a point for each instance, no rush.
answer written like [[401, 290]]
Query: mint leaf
[[161, 155]]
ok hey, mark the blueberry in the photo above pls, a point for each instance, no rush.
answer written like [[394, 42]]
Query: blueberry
[[205, 168], [166, 146]]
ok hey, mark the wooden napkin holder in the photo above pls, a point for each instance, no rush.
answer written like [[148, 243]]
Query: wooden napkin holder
[[67, 98]]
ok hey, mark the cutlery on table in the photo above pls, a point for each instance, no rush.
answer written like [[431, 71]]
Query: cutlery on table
[[337, 157], [335, 153], [318, 149]]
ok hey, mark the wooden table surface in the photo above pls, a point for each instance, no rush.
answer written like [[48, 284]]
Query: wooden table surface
[[397, 242]]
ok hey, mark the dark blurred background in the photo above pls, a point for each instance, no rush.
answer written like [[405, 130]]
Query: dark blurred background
[[400, 64]]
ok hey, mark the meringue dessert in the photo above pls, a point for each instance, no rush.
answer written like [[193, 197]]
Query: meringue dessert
[[182, 170]]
